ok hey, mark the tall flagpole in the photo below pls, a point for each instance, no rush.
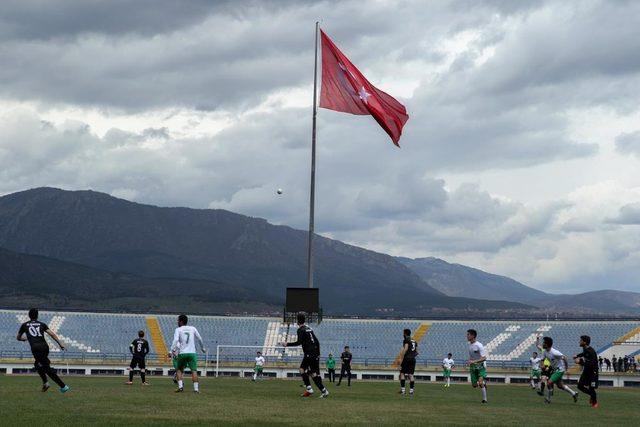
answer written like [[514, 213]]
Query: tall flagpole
[[312, 197]]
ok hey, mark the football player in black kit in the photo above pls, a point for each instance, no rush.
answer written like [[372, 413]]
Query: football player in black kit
[[408, 366], [35, 330], [346, 357], [588, 382], [311, 360], [139, 348]]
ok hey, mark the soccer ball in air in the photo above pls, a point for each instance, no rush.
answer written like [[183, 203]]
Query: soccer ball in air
[[279, 191]]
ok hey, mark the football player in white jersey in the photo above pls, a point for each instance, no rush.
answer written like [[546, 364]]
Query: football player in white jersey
[[184, 349], [559, 365], [477, 363], [257, 370], [447, 366], [536, 371]]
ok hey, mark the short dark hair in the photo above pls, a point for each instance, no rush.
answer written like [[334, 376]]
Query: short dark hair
[[586, 339], [346, 346], [183, 319], [258, 352], [140, 333], [535, 352], [301, 318], [407, 332], [548, 341], [472, 332], [449, 354], [33, 314]]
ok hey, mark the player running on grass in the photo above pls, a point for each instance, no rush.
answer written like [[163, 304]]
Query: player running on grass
[[536, 372], [184, 348], [35, 330], [588, 358], [477, 363], [257, 369], [559, 365], [311, 361]]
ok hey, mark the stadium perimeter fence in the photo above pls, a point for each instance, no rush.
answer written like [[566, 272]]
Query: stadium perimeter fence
[[237, 360]]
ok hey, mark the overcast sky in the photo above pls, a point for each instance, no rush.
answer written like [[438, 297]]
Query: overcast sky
[[521, 155]]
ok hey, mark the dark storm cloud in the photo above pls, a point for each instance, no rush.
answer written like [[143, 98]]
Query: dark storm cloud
[[45, 19], [203, 55]]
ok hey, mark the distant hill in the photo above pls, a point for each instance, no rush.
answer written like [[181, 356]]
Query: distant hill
[[215, 246], [31, 280], [462, 281], [605, 301]]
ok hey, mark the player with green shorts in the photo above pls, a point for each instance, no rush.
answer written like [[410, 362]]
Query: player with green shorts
[[183, 348], [447, 366], [257, 369], [536, 372], [477, 363], [559, 365]]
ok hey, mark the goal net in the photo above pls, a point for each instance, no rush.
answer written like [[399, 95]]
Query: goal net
[[244, 355]]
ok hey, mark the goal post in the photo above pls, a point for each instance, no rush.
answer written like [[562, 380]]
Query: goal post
[[262, 348]]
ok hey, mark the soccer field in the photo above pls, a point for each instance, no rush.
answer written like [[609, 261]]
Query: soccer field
[[107, 401]]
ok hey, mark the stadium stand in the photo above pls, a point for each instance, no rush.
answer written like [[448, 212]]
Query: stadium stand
[[373, 342]]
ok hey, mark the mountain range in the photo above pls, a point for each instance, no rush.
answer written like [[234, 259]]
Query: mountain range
[[89, 250]]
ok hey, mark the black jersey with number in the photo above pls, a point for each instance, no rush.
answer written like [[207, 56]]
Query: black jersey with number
[[346, 358], [139, 347], [35, 333], [412, 349], [308, 340]]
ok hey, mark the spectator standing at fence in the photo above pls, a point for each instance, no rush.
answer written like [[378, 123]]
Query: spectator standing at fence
[[608, 363], [600, 361], [331, 368], [620, 364], [34, 331], [345, 368], [614, 361]]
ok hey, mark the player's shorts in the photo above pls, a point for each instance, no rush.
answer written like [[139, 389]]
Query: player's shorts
[[588, 379], [258, 368], [174, 362], [446, 372], [189, 360], [535, 373], [311, 364], [556, 376], [41, 356], [477, 372], [408, 366], [138, 362]]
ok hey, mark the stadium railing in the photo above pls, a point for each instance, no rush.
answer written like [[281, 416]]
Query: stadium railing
[[9, 356]]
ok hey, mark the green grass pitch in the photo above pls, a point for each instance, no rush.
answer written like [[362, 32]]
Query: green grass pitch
[[107, 401]]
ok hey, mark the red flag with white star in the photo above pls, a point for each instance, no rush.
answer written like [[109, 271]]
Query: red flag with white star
[[345, 89]]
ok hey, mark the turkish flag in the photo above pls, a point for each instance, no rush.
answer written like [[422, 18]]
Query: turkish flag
[[345, 89]]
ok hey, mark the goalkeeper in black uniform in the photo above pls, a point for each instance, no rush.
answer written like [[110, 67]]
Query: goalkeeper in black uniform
[[311, 360], [588, 382], [139, 349], [35, 330]]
